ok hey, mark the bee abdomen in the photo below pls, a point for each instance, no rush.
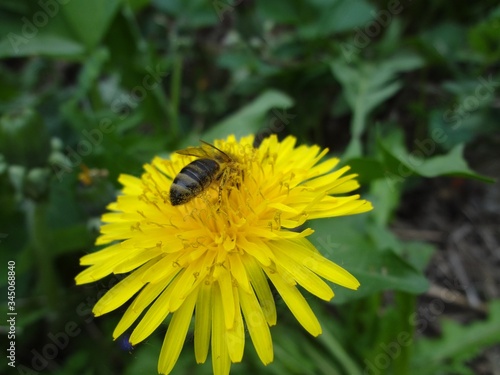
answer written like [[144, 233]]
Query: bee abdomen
[[192, 180]]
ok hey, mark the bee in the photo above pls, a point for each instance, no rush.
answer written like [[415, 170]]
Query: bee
[[213, 165]]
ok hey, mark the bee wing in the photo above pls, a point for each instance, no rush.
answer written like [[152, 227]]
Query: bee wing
[[194, 151], [215, 152], [206, 150]]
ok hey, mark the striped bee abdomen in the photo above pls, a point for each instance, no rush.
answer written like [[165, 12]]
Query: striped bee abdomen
[[192, 180]]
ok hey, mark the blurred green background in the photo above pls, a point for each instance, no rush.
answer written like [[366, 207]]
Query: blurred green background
[[405, 92]]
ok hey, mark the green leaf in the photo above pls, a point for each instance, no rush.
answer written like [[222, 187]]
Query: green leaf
[[248, 119], [400, 164], [445, 42], [91, 72], [367, 169], [385, 202], [289, 352], [346, 15], [195, 13], [377, 269], [44, 44], [318, 18], [459, 125], [484, 37], [418, 254], [382, 270], [368, 85], [452, 163], [38, 30], [137, 4], [293, 12], [458, 343], [90, 19]]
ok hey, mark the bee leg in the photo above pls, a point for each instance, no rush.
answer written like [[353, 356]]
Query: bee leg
[[223, 181], [219, 202], [242, 177]]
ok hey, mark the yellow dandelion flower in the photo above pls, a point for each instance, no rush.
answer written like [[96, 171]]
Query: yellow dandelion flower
[[215, 255]]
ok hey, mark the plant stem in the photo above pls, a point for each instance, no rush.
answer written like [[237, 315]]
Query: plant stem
[[339, 353], [406, 306], [36, 213]]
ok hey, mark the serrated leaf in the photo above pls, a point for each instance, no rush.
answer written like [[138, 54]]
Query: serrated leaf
[[400, 164], [247, 120], [458, 342], [368, 85]]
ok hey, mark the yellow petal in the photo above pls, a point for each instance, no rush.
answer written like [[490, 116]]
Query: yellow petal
[[190, 279], [226, 289], [301, 250], [296, 303], [202, 326], [176, 334], [326, 181], [335, 206], [133, 185], [94, 273], [284, 208], [121, 292], [238, 271], [299, 273], [164, 267], [155, 315], [100, 256], [221, 362], [143, 300], [236, 335], [261, 287], [258, 249], [257, 326], [130, 263], [332, 272], [324, 167]]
